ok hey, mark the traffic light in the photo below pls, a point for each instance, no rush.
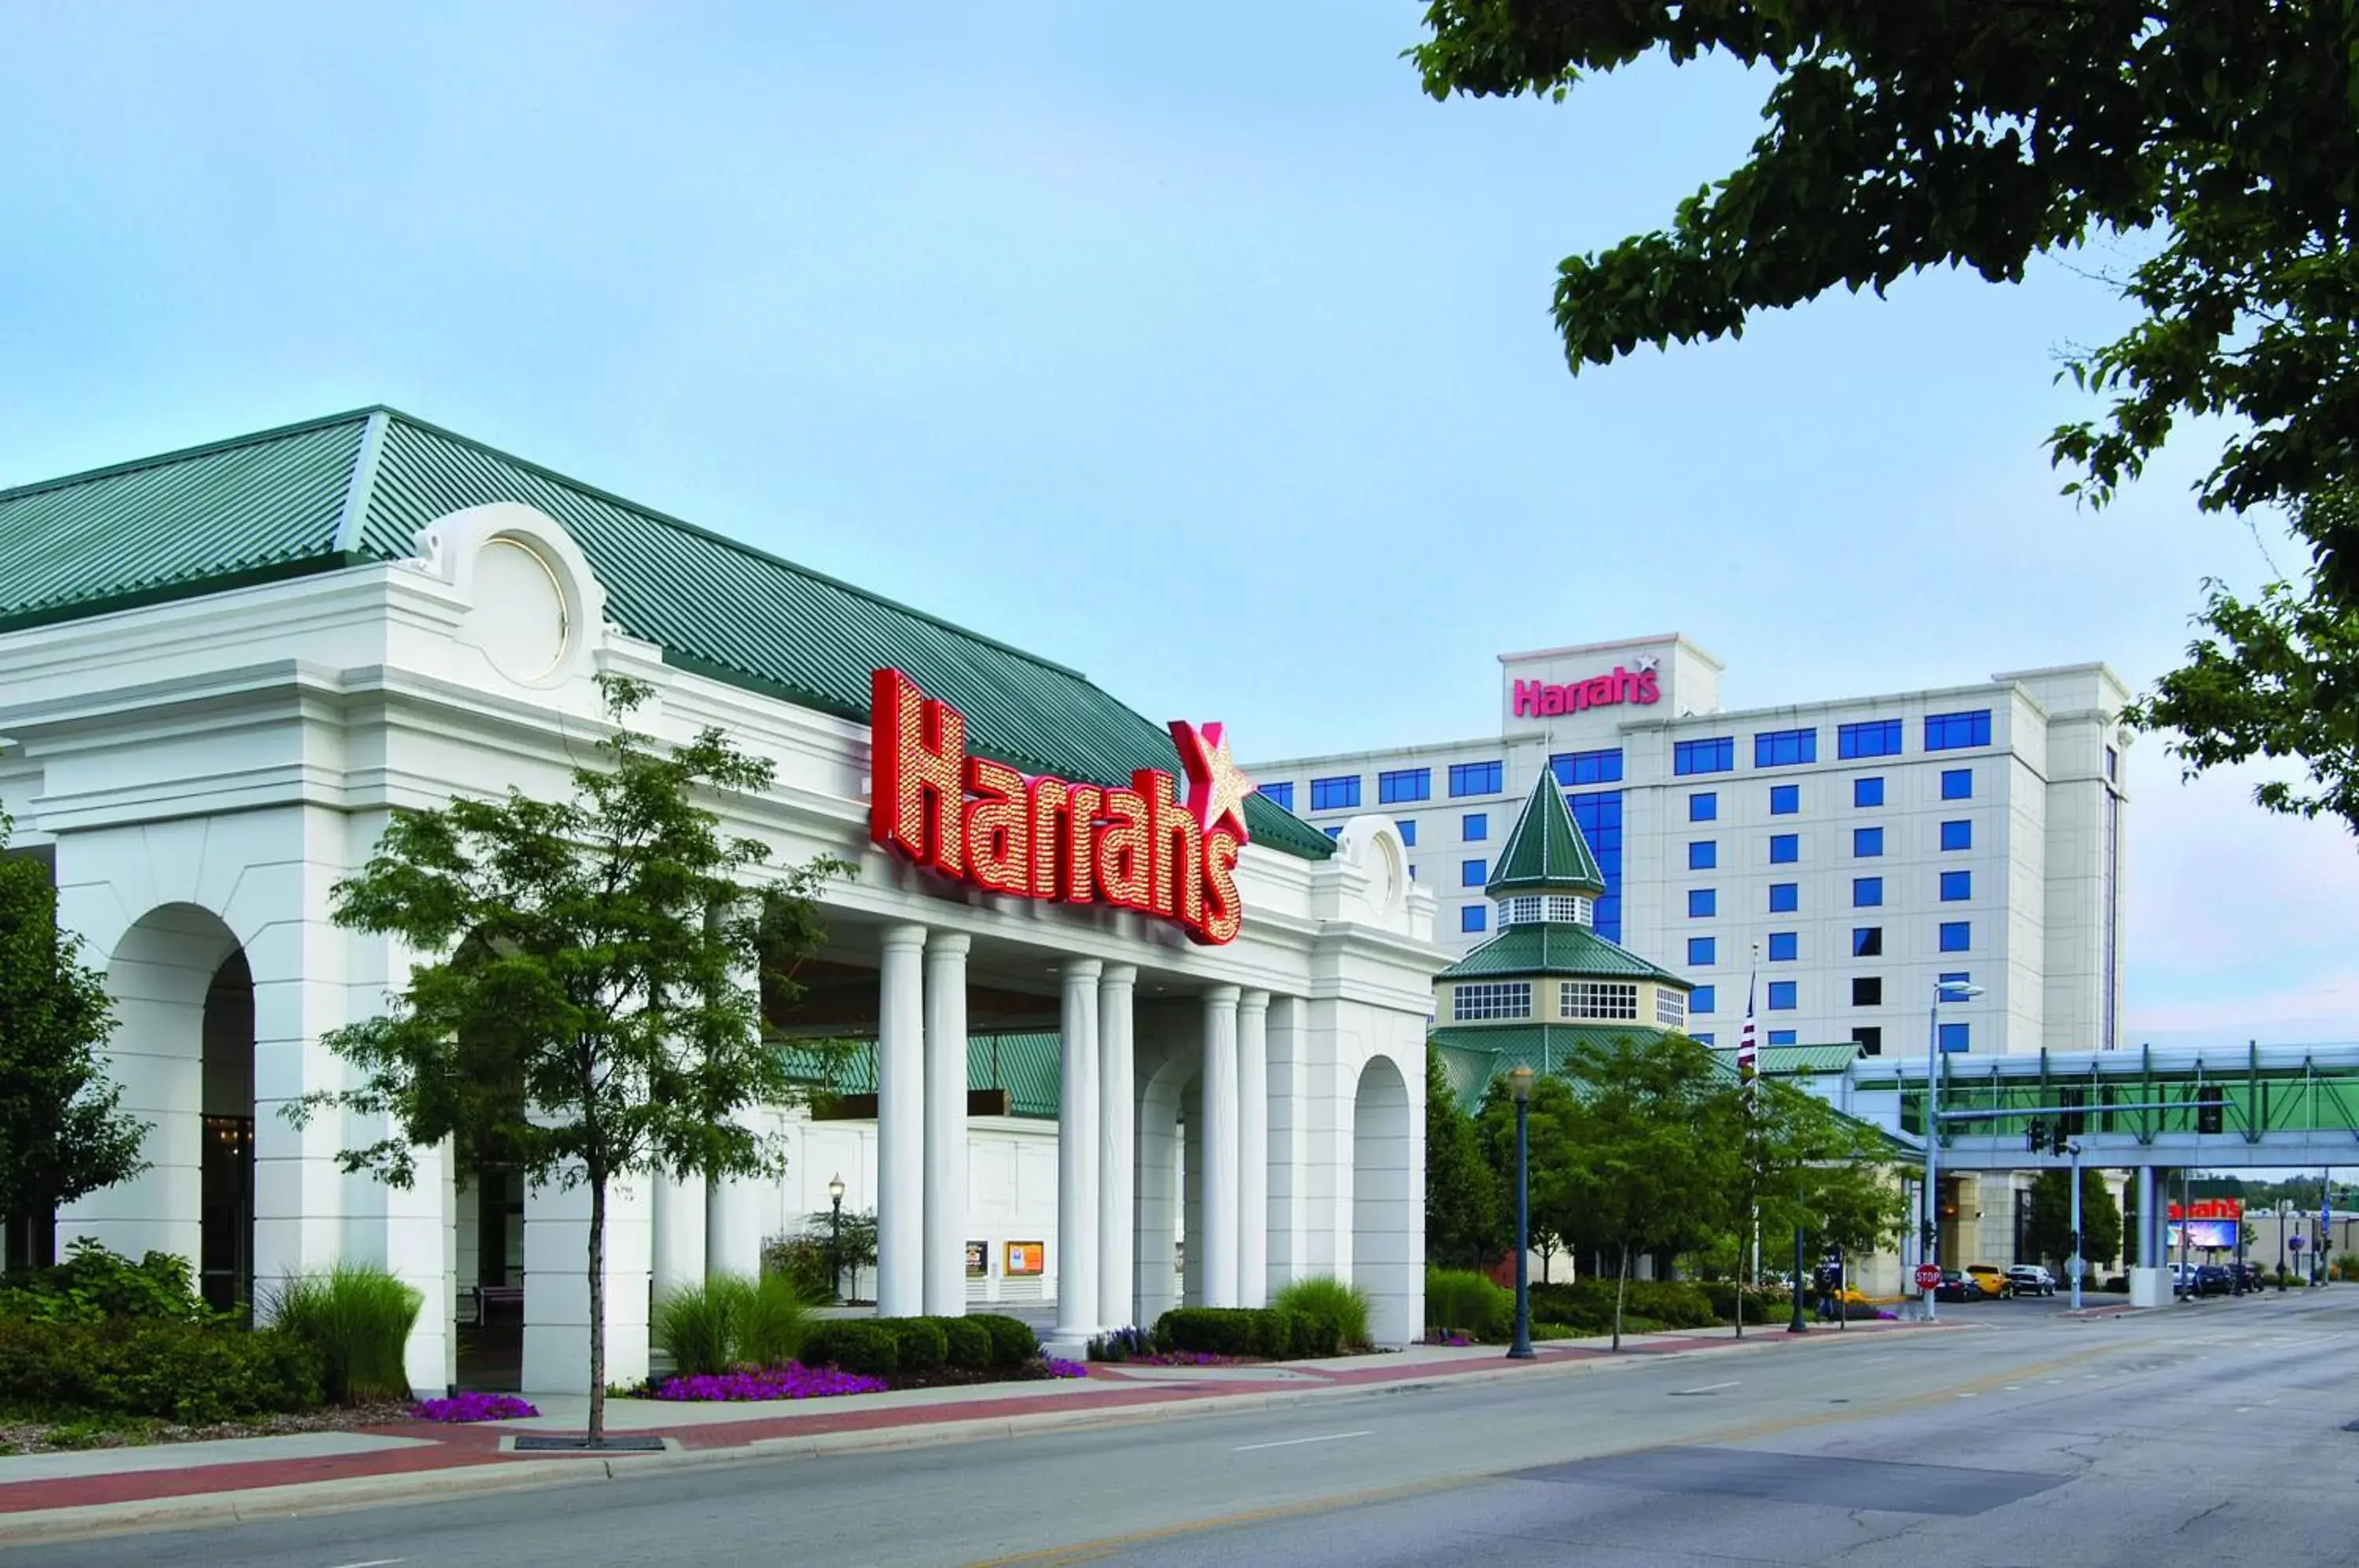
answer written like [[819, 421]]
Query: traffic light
[[2035, 1136], [2208, 1109]]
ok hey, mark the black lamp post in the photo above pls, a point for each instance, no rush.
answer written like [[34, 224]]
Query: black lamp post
[[835, 1235], [1797, 1325], [1520, 1080]]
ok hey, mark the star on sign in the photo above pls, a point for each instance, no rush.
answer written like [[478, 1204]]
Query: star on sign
[[1217, 786], [1647, 661]]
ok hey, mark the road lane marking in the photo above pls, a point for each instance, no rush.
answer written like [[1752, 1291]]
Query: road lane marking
[[1292, 1441], [1706, 1389], [375, 1563]]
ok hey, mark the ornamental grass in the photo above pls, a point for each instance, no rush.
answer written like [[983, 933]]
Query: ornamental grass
[[358, 1318]]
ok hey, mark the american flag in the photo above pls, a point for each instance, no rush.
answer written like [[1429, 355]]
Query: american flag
[[1749, 1056]]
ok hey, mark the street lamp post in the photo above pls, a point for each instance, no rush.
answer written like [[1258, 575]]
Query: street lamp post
[[1520, 1081], [2285, 1215], [1795, 1325], [835, 1235], [2073, 1263], [1944, 991]]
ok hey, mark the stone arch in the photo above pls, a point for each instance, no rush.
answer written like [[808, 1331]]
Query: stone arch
[[1385, 1254], [1155, 1189], [171, 968]]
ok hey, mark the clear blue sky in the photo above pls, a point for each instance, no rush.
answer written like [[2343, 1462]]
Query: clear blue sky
[[1192, 346]]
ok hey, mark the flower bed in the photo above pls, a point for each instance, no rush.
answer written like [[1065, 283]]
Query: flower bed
[[791, 1381], [1058, 1366], [473, 1408]]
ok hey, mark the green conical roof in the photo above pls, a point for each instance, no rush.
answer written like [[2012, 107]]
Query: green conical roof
[[1546, 853]]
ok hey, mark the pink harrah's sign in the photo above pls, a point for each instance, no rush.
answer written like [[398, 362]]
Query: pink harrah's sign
[[1539, 699]]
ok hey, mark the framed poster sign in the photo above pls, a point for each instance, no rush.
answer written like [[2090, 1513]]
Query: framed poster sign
[[978, 1259], [1027, 1257]]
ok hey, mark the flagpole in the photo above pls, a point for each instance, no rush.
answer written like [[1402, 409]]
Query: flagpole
[[1747, 1072]]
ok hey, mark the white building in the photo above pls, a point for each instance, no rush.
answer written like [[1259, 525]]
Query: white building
[[221, 670], [1865, 846]]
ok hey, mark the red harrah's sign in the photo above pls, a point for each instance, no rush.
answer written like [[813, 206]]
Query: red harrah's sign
[[984, 822], [1537, 699], [2211, 1209]]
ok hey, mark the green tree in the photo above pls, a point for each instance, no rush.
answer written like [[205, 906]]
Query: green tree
[[2217, 133], [1805, 1164], [1549, 1117], [1649, 1164], [63, 1133], [580, 1006], [1467, 1224], [2051, 1217]]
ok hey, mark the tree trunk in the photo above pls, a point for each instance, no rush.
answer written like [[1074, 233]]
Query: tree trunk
[[597, 1433], [1621, 1285], [1842, 1293]]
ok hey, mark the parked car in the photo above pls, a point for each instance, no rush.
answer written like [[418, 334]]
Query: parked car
[[1992, 1278], [1957, 1287], [2031, 1280], [2213, 1280], [2252, 1273]]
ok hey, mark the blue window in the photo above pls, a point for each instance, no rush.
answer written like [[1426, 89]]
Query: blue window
[[1474, 918], [1781, 1036], [1478, 777], [1701, 1039], [1573, 767], [1704, 853], [1703, 1000], [1956, 978], [1785, 848], [1957, 783], [1785, 800], [1404, 784], [1957, 936], [1785, 898], [1703, 949], [1957, 886], [1475, 827], [1470, 874], [1407, 831], [1954, 732], [1781, 996], [1953, 1037], [1867, 791], [1598, 815], [1335, 832], [1704, 806], [1702, 903], [1784, 748], [1878, 738], [1958, 835], [1705, 755], [1784, 946], [1866, 843], [1867, 941], [1280, 795], [1334, 794], [1866, 892]]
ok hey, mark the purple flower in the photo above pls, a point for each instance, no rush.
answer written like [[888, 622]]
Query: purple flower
[[1059, 1368], [791, 1381], [473, 1408]]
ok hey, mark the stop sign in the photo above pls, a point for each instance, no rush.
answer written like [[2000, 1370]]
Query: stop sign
[[1927, 1276]]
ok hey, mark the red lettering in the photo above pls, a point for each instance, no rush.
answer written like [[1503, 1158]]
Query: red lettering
[[1125, 872], [918, 766], [1175, 851], [1552, 700], [1223, 911], [998, 827], [1529, 694], [1648, 692]]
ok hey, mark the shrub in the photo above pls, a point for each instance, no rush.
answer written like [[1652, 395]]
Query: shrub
[[1339, 1308], [195, 1374], [774, 1321], [1121, 1344], [356, 1317], [1588, 1304], [968, 1344], [1768, 1305], [1013, 1342], [696, 1325], [93, 1284], [1470, 1303], [863, 1345], [1215, 1330], [924, 1345], [802, 1262]]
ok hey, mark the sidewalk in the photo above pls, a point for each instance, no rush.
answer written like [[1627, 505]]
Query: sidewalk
[[87, 1492]]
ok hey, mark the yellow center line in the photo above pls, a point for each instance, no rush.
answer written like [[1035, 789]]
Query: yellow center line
[[1092, 1550]]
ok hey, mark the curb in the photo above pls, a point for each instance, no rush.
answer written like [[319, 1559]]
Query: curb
[[89, 1522]]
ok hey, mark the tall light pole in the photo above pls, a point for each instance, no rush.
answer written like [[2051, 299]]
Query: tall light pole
[[835, 1235], [1520, 1081], [2073, 1263], [1944, 991]]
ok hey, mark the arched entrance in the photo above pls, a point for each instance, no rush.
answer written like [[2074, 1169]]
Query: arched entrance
[[1384, 1227], [183, 1053]]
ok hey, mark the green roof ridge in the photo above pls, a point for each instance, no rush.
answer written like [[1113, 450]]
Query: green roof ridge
[[183, 454], [1545, 852], [1558, 948]]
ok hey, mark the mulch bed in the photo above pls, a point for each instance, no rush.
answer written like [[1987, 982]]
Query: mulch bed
[[22, 1434]]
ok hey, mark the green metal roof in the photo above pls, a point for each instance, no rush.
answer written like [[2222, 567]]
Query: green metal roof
[[354, 489], [1557, 947], [1025, 1065], [1473, 1055], [1546, 853]]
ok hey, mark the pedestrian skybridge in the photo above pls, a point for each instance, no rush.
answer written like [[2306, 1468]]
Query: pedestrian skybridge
[[2293, 1106]]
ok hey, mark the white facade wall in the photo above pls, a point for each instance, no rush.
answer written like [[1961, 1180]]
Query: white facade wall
[[2047, 795]]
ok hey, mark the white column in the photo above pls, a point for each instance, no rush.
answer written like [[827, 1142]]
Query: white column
[[681, 1213], [901, 1124], [1252, 1150], [1220, 1143], [1077, 1157], [945, 1179], [1285, 1240], [1117, 1146], [556, 1285]]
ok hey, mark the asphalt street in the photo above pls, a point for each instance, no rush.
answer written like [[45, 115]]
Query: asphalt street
[[2211, 1433]]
